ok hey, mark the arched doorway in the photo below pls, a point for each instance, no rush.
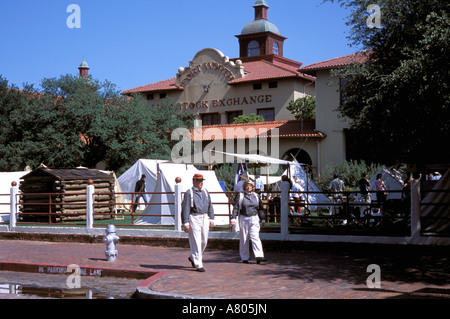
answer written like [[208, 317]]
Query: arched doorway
[[299, 154]]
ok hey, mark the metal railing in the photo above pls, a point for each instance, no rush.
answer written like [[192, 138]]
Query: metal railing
[[132, 213], [4, 208], [348, 213], [347, 216], [129, 210]]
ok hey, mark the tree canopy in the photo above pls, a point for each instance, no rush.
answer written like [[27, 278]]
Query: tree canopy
[[76, 121], [398, 102], [252, 118], [303, 108]]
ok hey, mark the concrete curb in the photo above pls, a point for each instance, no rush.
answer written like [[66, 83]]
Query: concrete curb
[[147, 293], [218, 241], [143, 290], [54, 269]]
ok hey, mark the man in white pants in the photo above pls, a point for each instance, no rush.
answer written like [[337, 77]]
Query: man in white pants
[[197, 216]]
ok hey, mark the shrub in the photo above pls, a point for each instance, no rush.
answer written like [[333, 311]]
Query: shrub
[[349, 171]]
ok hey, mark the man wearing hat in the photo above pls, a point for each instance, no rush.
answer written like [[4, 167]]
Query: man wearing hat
[[197, 216]]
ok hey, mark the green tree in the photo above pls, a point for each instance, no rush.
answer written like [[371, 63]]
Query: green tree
[[398, 102], [29, 135], [303, 108], [252, 118], [80, 121], [227, 173], [349, 171]]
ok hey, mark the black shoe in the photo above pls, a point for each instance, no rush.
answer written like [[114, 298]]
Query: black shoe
[[192, 262], [260, 259], [245, 261], [201, 269]]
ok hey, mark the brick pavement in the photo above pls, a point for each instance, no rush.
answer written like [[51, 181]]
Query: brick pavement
[[319, 271]]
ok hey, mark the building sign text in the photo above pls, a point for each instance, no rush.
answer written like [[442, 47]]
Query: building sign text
[[207, 66], [235, 101]]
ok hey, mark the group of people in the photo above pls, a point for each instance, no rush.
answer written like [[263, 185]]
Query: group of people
[[197, 214], [337, 186]]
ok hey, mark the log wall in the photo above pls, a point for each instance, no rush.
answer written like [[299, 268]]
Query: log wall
[[67, 198]]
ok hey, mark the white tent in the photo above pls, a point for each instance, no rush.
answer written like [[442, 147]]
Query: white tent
[[296, 170], [166, 182], [255, 158], [393, 180], [119, 197], [6, 178], [149, 167]]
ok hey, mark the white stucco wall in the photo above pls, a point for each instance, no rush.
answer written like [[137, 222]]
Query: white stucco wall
[[332, 148]]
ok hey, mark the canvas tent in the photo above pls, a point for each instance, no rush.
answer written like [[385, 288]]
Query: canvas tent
[[308, 185], [435, 218], [295, 170], [393, 180], [128, 179], [160, 177], [119, 197], [6, 178], [272, 164], [166, 183]]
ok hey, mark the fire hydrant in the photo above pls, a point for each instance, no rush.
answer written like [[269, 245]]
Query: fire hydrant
[[111, 240]]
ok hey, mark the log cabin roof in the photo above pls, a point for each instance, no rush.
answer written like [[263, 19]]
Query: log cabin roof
[[69, 174]]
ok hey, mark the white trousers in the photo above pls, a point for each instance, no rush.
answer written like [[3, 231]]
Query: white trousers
[[198, 237], [249, 232]]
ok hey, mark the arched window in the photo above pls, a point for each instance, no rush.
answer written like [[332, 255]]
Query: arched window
[[253, 48], [275, 48]]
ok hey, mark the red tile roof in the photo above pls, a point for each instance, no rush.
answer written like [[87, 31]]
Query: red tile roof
[[264, 70], [158, 86], [255, 71], [360, 57], [293, 128]]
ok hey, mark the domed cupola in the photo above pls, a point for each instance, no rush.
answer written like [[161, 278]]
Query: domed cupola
[[260, 24], [260, 36], [84, 69]]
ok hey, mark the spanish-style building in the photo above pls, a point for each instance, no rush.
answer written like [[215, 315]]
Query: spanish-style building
[[328, 94], [262, 81]]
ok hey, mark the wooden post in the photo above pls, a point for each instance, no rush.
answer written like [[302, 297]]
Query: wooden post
[[284, 205], [415, 209]]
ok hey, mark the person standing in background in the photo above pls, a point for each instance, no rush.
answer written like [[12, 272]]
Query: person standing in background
[[381, 189], [364, 188], [139, 188], [337, 186]]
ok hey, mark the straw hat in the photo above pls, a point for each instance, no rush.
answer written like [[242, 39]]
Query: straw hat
[[248, 182]]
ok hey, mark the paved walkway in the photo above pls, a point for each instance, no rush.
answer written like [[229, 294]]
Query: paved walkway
[[329, 272]]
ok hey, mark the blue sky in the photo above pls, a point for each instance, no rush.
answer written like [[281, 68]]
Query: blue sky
[[133, 43]]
